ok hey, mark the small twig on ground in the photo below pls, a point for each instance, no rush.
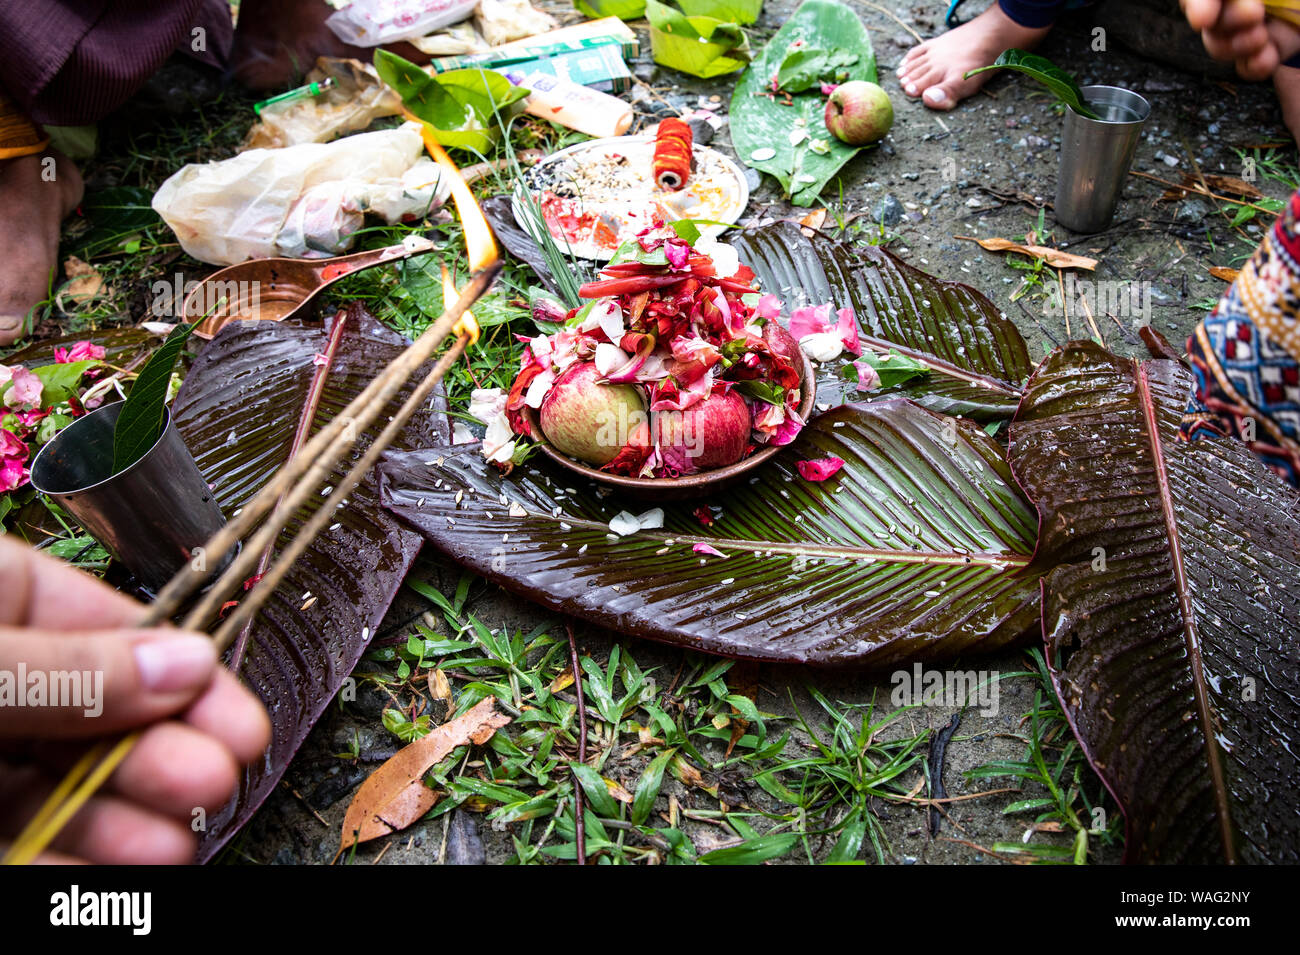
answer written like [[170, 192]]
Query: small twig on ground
[[578, 807], [893, 16], [1203, 192]]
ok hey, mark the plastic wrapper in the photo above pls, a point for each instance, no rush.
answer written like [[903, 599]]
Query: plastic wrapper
[[374, 22], [303, 201], [496, 22], [355, 100]]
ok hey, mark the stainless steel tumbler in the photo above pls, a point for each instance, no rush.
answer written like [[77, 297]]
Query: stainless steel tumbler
[[1096, 156], [151, 516]]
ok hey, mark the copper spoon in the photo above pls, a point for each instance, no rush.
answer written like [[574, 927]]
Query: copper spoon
[[275, 289]]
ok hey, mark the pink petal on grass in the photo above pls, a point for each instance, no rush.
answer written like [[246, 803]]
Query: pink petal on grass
[[708, 549], [820, 469]]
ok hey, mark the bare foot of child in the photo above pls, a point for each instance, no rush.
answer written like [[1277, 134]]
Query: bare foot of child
[[31, 208], [934, 70]]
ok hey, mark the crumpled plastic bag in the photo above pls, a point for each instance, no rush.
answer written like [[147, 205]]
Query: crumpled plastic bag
[[496, 22], [304, 201], [503, 21], [374, 22], [356, 99]]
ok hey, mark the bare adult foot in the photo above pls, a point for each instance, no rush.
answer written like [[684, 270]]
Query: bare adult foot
[[935, 70], [36, 193], [277, 41]]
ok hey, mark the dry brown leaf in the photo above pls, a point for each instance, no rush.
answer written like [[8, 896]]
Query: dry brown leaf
[[617, 791], [394, 795], [563, 681], [439, 687], [814, 219], [1230, 186], [1053, 257], [84, 282], [1222, 272], [743, 679]]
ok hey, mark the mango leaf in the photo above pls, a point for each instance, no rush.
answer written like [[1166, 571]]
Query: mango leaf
[[237, 411], [623, 9], [976, 357], [140, 422], [804, 153], [1169, 608], [703, 46], [1040, 68], [465, 108], [916, 549]]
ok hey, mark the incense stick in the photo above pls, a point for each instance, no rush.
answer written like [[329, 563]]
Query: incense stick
[[296, 480], [316, 460]]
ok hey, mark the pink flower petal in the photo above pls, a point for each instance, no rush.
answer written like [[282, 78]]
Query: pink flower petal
[[809, 320], [708, 549], [768, 307], [847, 326], [820, 469], [868, 377], [25, 392]]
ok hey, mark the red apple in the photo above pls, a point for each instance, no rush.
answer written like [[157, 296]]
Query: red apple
[[709, 434], [859, 113], [588, 420]]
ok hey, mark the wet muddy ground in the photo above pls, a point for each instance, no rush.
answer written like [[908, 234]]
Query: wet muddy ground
[[986, 169]]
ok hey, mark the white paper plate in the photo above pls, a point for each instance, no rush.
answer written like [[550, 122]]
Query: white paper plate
[[598, 194]]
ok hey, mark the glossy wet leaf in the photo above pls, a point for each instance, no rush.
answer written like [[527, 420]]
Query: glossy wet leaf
[[1172, 598], [237, 412], [1040, 68], [916, 549], [761, 125], [144, 413], [977, 359]]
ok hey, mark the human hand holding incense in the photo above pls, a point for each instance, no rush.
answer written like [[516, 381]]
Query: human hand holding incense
[[198, 722]]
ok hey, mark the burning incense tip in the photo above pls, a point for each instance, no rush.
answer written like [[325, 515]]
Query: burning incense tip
[[480, 245]]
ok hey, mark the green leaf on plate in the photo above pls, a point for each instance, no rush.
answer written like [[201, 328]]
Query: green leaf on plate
[[140, 422], [465, 108], [761, 124], [701, 45], [1040, 68]]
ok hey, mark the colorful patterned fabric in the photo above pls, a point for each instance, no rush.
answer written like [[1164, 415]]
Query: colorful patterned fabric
[[1246, 355]]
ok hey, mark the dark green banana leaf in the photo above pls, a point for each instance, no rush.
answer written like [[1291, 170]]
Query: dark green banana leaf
[[1171, 608], [917, 549], [760, 123], [238, 410], [977, 358]]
